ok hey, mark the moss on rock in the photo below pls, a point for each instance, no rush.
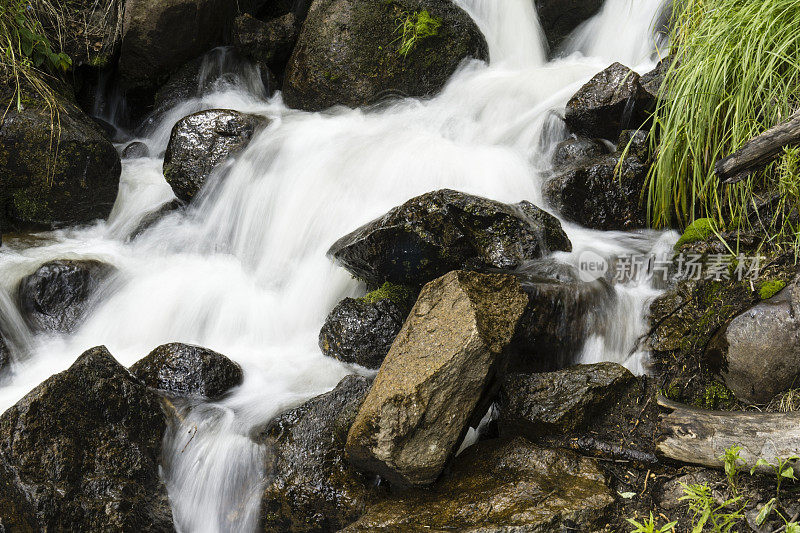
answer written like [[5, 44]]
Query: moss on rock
[[699, 230], [769, 289]]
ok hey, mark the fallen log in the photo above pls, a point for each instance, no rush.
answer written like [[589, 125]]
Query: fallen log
[[698, 436], [759, 151]]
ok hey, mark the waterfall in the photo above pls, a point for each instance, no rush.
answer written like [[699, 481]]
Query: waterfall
[[243, 271]]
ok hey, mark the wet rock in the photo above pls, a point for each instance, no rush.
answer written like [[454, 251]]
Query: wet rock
[[361, 331], [161, 35], [501, 485], [5, 354], [349, 54], [612, 101], [560, 17], [82, 452], [270, 43], [653, 80], [445, 230], [558, 318], [636, 142], [187, 370], [437, 377], [599, 195], [203, 141], [51, 178], [761, 348], [559, 402], [578, 150], [55, 297], [154, 217], [310, 486], [135, 149]]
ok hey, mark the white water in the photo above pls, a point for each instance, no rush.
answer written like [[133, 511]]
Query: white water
[[244, 272]]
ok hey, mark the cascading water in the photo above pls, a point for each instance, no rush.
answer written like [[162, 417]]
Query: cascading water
[[244, 270]]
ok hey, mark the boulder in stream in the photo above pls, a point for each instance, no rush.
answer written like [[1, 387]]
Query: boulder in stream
[[187, 370], [361, 331], [354, 52], [53, 176], [446, 230], [437, 378], [610, 102], [203, 141], [81, 452], [55, 296], [501, 485], [578, 150], [267, 42], [560, 17], [309, 485]]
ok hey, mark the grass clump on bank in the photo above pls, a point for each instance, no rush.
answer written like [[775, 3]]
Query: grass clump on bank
[[735, 73]]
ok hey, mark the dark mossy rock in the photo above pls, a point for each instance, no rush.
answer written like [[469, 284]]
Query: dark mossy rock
[[601, 193], [557, 320], [653, 80], [761, 347], [269, 43], [309, 486], [82, 451], [54, 298], [187, 370], [135, 150], [272, 9], [161, 35], [52, 175], [5, 355], [349, 52], [636, 143], [578, 150], [201, 142], [501, 485], [560, 17], [612, 101], [361, 332], [562, 401], [446, 230]]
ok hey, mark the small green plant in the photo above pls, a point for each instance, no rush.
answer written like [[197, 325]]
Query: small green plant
[[770, 288], [733, 463], [706, 514], [414, 27], [783, 469], [649, 526]]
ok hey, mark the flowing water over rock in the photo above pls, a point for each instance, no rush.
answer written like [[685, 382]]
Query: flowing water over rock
[[243, 270]]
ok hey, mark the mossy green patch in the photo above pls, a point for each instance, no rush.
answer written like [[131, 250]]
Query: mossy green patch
[[399, 294], [698, 230], [716, 396], [770, 289]]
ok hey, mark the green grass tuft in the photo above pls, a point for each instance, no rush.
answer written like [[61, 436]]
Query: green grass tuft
[[770, 289], [735, 73], [414, 27]]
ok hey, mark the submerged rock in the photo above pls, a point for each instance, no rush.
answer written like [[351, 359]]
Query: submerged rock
[[81, 452], [349, 51], [360, 331], [154, 217], [501, 485], [187, 370], [309, 486], [437, 377], [760, 348], [559, 402], [560, 17], [55, 176], [446, 230], [161, 35], [600, 193], [54, 298], [135, 150], [5, 356], [203, 141], [610, 102]]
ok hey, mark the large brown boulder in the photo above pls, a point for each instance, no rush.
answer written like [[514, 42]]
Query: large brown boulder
[[82, 450], [349, 52], [437, 377], [502, 485]]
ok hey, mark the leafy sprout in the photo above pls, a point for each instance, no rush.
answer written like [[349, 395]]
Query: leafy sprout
[[413, 28]]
